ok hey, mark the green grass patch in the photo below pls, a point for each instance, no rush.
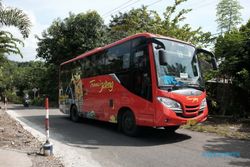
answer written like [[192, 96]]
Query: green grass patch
[[232, 130]]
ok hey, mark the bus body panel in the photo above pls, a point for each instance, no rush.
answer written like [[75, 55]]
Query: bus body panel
[[104, 97]]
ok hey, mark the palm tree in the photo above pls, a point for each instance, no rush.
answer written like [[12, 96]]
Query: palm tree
[[12, 17], [8, 44], [15, 17]]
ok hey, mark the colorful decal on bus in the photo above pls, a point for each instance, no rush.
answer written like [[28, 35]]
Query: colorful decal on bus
[[90, 115], [78, 86], [113, 119]]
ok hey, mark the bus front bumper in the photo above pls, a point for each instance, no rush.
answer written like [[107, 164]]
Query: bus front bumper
[[170, 118]]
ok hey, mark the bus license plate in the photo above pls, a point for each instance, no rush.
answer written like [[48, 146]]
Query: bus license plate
[[191, 122]]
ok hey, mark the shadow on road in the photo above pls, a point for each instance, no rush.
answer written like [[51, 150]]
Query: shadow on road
[[90, 133], [226, 145]]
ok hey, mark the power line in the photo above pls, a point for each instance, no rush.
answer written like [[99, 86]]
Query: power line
[[204, 5], [197, 3], [121, 7], [151, 4], [115, 10], [117, 7], [154, 3]]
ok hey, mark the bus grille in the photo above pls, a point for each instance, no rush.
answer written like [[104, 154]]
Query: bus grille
[[191, 109]]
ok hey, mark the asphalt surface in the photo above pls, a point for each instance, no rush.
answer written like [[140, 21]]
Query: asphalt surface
[[154, 148]]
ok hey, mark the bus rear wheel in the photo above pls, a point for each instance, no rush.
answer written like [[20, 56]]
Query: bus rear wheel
[[128, 124], [74, 116]]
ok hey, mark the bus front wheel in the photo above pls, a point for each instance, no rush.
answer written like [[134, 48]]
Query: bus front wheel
[[74, 116], [128, 124]]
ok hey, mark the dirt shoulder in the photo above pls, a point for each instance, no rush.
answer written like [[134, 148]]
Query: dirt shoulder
[[236, 129], [14, 137]]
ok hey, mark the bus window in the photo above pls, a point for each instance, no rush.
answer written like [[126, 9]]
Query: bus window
[[86, 67], [118, 58], [100, 63]]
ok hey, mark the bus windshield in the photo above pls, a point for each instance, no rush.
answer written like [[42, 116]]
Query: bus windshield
[[182, 67]]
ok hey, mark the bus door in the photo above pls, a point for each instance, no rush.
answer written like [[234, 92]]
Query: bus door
[[141, 79]]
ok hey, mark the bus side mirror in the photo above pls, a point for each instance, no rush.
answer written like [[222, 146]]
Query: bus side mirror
[[213, 60], [214, 63], [162, 57]]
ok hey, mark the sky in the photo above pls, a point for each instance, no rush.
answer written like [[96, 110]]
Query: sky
[[43, 12]]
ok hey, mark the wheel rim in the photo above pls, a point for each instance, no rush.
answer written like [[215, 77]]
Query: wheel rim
[[128, 122], [74, 114]]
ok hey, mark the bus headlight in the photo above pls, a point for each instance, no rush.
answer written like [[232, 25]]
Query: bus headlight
[[203, 104], [171, 104]]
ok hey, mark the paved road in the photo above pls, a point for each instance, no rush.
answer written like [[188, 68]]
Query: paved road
[[110, 148]]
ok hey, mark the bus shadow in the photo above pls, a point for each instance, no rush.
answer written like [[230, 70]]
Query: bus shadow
[[91, 134]]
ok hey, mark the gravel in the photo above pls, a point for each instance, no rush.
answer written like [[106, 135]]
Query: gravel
[[14, 137]]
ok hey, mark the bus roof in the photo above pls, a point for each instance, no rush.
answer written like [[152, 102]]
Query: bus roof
[[96, 50]]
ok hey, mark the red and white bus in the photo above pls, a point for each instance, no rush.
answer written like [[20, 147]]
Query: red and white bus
[[141, 80]]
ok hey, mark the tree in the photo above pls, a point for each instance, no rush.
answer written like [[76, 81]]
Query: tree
[[66, 39], [15, 17], [19, 77], [228, 15], [135, 21], [70, 37], [29, 75], [8, 44], [144, 20], [6, 81], [12, 17], [233, 49]]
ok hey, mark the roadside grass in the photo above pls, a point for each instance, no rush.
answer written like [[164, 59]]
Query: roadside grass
[[239, 129]]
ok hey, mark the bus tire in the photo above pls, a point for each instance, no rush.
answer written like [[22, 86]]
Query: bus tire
[[128, 124], [171, 129], [74, 116]]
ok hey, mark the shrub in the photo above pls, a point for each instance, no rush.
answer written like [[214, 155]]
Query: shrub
[[12, 97], [37, 101]]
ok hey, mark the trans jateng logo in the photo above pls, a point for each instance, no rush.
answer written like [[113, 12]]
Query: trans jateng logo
[[193, 99], [109, 85]]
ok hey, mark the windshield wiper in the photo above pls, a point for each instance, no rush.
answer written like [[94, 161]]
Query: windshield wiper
[[170, 88], [194, 86]]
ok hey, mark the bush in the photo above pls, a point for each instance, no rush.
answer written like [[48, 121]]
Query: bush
[[227, 99], [12, 97], [37, 101]]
